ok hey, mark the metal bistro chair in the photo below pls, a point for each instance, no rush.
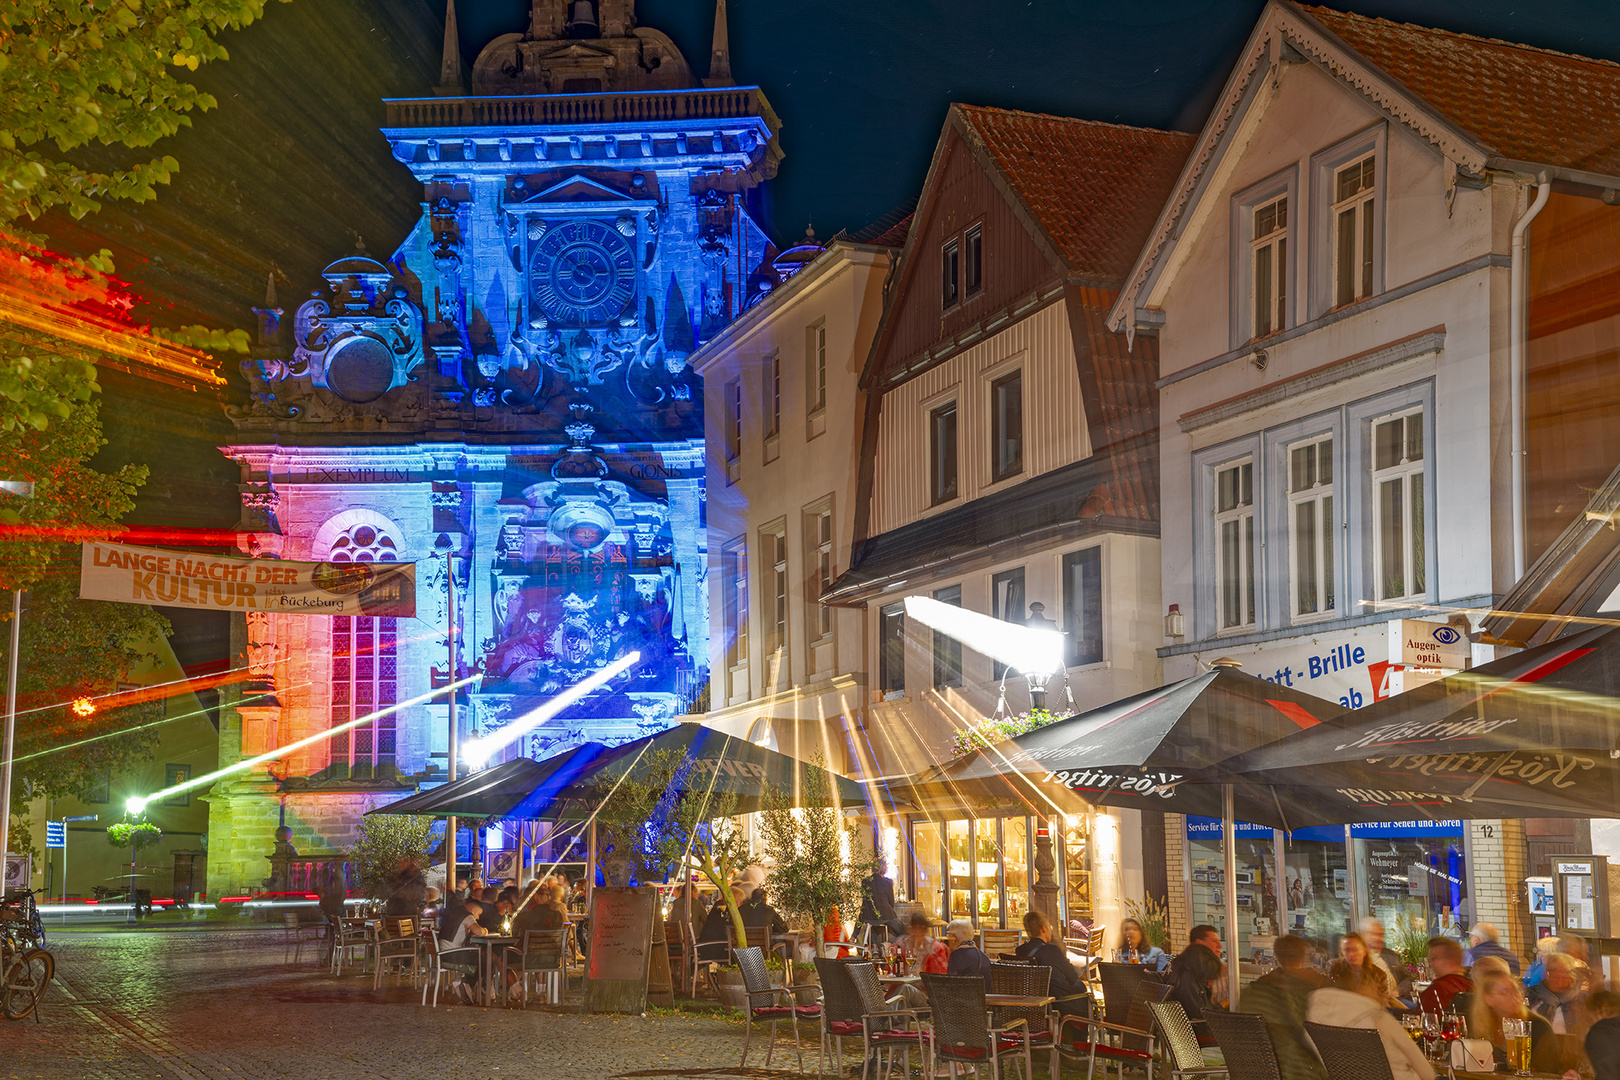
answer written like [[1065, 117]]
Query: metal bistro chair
[[883, 1023], [962, 1032], [296, 933], [1130, 1043], [543, 955], [350, 936], [995, 942], [442, 962], [399, 946], [1245, 1043], [1350, 1053], [697, 968], [1025, 980], [1179, 1044], [778, 1004], [1119, 983]]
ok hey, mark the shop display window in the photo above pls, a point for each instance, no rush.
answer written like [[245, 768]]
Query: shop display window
[[1016, 855], [930, 884]]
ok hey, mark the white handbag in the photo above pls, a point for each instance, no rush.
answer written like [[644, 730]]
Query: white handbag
[[1473, 1055]]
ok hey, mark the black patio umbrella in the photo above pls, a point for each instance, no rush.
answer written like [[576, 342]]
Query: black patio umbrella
[[512, 789], [1531, 734], [711, 762], [1156, 750]]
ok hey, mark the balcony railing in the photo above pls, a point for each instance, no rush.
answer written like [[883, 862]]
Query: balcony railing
[[723, 103]]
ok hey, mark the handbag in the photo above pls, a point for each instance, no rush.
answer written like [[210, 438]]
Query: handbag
[[1473, 1055]]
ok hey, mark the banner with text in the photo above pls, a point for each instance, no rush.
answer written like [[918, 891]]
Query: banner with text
[[140, 575]]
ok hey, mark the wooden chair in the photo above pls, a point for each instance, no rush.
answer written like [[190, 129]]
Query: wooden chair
[[397, 944], [544, 954], [680, 953], [1245, 1042], [442, 962], [1182, 1054], [995, 942], [1350, 1053], [1090, 950]]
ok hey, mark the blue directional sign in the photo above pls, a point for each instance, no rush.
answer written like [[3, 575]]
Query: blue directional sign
[[56, 834]]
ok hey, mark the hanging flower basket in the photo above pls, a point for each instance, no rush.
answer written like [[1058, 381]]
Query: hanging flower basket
[[133, 834]]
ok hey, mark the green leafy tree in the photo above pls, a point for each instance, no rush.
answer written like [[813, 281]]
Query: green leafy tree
[[811, 876], [384, 840], [666, 818]]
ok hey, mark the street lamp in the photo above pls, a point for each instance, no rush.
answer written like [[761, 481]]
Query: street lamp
[[23, 489], [446, 547]]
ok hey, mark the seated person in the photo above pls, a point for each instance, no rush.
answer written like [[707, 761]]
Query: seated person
[[1603, 1038], [1280, 997], [1193, 970], [714, 937], [966, 958], [1499, 997], [1350, 999], [756, 912], [540, 908], [464, 965], [490, 920], [1561, 993], [921, 953], [1446, 961], [1134, 947], [1073, 999]]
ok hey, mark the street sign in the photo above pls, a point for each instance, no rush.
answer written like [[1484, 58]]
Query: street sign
[[56, 834], [83, 817], [1430, 644]]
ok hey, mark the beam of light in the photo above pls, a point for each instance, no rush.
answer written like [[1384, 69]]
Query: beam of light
[[1019, 647], [124, 534], [136, 804], [139, 727], [478, 751], [117, 699]]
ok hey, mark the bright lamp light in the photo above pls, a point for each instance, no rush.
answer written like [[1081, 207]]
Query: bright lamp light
[[1021, 648]]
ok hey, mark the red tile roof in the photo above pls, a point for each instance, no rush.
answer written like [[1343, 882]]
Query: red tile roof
[[1518, 102], [1094, 188]]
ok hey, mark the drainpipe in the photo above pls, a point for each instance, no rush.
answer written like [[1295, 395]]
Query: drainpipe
[[1517, 305]]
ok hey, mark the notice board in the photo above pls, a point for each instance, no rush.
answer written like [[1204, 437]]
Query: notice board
[[620, 948]]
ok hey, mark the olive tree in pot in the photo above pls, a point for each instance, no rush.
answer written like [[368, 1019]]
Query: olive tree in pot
[[819, 858]]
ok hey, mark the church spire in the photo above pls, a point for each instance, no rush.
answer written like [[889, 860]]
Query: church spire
[[720, 52], [451, 82]]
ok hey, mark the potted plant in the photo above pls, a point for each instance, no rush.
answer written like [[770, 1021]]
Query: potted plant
[[133, 835]]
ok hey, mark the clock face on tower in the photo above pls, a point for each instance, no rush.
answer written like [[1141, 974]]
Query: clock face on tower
[[581, 273]]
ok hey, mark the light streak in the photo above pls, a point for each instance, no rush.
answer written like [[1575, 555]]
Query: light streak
[[114, 699], [136, 804], [478, 751], [138, 727], [84, 707], [1019, 647]]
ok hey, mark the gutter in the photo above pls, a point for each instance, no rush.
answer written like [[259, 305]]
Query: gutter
[[1517, 390]]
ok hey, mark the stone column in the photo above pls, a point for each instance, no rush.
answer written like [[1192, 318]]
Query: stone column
[[1044, 892]]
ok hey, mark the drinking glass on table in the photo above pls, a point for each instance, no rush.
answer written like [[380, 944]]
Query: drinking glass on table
[[1431, 1034], [1516, 1036]]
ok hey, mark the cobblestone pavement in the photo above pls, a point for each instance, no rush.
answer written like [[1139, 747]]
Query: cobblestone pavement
[[205, 1004]]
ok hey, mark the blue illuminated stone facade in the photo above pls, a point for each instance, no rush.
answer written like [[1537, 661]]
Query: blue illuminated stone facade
[[510, 387]]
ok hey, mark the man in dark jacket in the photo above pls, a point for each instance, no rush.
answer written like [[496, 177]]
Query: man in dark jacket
[[877, 901], [1279, 996], [1073, 999], [1193, 969], [756, 912]]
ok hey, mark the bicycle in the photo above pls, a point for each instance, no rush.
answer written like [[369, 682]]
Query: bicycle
[[26, 965]]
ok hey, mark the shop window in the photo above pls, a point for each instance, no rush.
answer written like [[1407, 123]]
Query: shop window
[[1234, 531], [986, 871], [1015, 849], [1398, 507], [947, 650], [892, 650], [942, 486], [929, 890], [1311, 526], [1007, 426], [1006, 604], [959, 856], [1082, 605]]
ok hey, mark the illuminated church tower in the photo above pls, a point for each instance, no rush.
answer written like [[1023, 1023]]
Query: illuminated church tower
[[509, 388]]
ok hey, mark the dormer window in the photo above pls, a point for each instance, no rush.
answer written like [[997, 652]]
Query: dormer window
[[1269, 252]]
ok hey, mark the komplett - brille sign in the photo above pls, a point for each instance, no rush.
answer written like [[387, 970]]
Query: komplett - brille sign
[[141, 575]]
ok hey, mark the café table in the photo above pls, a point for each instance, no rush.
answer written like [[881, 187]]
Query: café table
[[486, 963]]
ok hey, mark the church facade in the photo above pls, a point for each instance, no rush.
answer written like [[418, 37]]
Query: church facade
[[506, 400]]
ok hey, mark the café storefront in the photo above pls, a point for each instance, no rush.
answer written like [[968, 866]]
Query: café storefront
[[1412, 875]]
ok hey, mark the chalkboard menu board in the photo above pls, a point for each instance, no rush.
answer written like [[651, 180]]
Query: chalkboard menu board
[[620, 946]]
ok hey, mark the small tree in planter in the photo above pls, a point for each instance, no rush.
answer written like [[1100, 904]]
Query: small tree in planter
[[384, 840], [811, 877], [133, 835]]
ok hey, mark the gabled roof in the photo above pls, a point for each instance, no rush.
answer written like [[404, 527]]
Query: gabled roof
[[1481, 103], [1090, 190], [1518, 102]]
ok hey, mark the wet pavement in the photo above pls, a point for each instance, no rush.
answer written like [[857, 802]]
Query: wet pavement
[[210, 1004]]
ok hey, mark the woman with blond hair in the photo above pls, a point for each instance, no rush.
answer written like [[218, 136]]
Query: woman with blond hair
[[1364, 976], [1498, 997]]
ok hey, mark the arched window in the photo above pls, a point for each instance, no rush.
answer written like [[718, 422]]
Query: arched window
[[365, 660]]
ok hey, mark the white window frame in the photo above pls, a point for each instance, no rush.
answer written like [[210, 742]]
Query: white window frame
[[1065, 604], [1364, 205], [952, 399], [1274, 245], [774, 588], [1016, 368], [815, 366], [820, 551], [1250, 537], [1282, 185], [1403, 473], [1324, 169], [734, 600], [771, 404], [1322, 500]]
